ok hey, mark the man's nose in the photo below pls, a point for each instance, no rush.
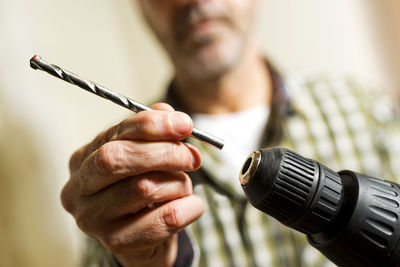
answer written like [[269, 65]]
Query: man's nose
[[185, 2]]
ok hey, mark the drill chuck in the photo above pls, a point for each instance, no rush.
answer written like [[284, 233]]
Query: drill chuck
[[353, 219]]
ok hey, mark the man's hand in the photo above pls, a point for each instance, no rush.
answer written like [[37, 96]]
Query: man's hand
[[128, 188]]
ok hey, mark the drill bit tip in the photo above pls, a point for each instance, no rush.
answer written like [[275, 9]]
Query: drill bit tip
[[33, 60]]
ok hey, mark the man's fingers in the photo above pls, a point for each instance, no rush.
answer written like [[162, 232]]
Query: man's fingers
[[153, 226], [162, 106], [156, 125], [146, 125], [139, 192], [120, 159]]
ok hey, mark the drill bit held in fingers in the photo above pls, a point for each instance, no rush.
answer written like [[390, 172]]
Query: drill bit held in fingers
[[38, 63]]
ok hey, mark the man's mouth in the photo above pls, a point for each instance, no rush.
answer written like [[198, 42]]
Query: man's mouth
[[203, 25], [201, 30], [198, 21]]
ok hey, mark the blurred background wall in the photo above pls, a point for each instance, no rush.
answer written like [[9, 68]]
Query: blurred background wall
[[43, 120]]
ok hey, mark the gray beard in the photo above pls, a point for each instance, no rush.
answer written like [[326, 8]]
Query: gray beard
[[209, 69]]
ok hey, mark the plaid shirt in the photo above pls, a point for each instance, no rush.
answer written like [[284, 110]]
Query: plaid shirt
[[338, 122]]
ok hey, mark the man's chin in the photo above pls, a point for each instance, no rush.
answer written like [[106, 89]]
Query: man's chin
[[211, 58], [208, 66]]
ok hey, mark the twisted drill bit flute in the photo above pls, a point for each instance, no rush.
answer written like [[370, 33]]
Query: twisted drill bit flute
[[37, 62]]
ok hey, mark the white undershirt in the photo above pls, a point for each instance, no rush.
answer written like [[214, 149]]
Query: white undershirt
[[241, 131]]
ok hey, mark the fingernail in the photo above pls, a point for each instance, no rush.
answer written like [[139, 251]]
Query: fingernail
[[181, 123]]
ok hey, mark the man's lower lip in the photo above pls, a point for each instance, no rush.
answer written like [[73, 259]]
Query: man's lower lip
[[203, 28], [203, 25]]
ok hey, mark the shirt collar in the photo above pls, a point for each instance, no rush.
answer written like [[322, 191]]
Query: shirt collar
[[281, 106]]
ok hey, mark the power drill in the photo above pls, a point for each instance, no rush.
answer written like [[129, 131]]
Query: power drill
[[351, 218]]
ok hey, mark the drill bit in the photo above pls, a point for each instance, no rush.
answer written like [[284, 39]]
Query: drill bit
[[37, 62]]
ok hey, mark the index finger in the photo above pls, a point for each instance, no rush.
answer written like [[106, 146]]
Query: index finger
[[162, 106], [152, 125]]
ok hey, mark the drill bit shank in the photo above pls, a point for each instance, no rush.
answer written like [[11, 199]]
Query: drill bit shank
[[37, 62]]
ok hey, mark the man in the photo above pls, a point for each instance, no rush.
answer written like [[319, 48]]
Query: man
[[129, 187]]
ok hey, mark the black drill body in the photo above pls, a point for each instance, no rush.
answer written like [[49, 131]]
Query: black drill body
[[353, 219]]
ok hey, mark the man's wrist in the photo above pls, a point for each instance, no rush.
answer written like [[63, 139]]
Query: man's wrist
[[185, 254]]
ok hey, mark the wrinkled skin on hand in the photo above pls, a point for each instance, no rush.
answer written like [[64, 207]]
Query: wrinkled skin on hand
[[129, 190]]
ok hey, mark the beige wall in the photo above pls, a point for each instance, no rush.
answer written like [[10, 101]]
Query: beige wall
[[43, 120], [320, 36]]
